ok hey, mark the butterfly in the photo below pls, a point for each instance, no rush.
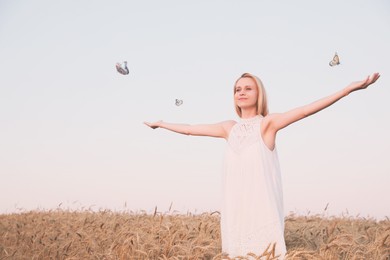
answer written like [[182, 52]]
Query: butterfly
[[122, 68], [335, 61], [178, 102]]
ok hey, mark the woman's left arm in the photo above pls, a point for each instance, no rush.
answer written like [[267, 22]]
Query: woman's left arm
[[281, 120]]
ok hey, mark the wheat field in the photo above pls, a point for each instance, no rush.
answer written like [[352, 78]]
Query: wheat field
[[84, 234]]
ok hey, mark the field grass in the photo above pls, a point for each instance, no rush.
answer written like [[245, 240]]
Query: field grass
[[65, 234]]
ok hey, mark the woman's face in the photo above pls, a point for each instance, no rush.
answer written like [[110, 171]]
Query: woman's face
[[246, 93]]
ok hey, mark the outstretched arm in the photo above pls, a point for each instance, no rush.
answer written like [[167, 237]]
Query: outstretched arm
[[279, 121], [221, 129]]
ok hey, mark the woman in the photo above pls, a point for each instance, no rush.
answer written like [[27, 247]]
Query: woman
[[252, 215]]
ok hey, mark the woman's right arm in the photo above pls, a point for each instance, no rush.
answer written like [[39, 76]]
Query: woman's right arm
[[221, 129]]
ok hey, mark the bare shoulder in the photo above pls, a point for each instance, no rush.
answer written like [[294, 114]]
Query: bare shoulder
[[271, 122], [268, 120], [227, 126]]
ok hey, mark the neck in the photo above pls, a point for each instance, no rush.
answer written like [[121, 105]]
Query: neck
[[248, 113]]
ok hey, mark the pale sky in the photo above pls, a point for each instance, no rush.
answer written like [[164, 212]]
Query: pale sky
[[72, 128]]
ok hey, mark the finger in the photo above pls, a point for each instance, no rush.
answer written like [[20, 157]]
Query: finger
[[365, 81], [374, 77]]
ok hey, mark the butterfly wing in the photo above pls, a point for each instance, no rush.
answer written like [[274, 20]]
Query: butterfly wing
[[335, 61], [178, 102], [121, 70]]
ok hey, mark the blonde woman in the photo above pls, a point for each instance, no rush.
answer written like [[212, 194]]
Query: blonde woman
[[252, 212]]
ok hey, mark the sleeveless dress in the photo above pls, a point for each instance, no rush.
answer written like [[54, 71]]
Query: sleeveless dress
[[252, 208]]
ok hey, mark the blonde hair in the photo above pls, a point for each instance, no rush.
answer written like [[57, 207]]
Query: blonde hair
[[262, 105]]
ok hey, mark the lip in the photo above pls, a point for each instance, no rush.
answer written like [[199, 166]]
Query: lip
[[242, 98]]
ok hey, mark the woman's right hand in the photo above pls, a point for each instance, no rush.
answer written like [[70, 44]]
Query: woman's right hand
[[154, 125]]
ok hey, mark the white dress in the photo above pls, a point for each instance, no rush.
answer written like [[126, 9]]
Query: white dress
[[252, 209]]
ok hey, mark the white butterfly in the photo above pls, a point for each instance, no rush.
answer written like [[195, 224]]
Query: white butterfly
[[335, 61], [122, 68], [178, 102]]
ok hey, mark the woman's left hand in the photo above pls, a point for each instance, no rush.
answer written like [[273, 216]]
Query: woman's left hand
[[357, 85]]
